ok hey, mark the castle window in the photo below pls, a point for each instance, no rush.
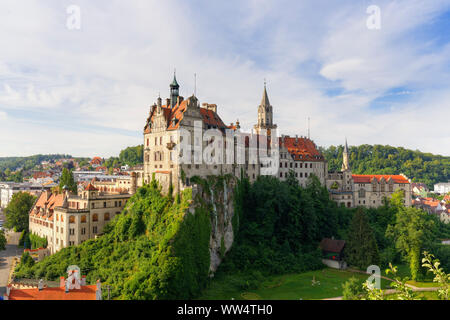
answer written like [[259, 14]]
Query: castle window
[[72, 219], [106, 217], [94, 230], [83, 219], [95, 217], [362, 193], [156, 141]]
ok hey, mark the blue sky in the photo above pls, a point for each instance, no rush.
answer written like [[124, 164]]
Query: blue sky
[[87, 92]]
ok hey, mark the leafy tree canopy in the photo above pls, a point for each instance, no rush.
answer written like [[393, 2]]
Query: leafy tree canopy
[[18, 209]]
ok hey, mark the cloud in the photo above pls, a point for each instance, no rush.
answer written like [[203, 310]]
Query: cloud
[[90, 89]]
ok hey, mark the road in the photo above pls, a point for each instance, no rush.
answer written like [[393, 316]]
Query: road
[[6, 258]]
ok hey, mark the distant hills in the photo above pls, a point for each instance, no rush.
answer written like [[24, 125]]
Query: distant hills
[[378, 159], [364, 159]]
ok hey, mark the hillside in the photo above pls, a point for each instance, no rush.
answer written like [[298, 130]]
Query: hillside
[[160, 247], [377, 159]]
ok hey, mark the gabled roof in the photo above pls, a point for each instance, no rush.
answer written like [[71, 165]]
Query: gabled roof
[[90, 187], [301, 148], [367, 178], [174, 116], [332, 245]]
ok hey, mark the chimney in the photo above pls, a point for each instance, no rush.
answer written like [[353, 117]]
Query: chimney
[[62, 282], [168, 103], [296, 139], [83, 280], [98, 292]]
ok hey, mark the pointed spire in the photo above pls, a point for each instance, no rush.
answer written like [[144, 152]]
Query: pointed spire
[[265, 98], [345, 160], [174, 82]]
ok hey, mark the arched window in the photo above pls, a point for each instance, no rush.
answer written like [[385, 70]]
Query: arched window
[[71, 219], [106, 217], [95, 217], [83, 218]]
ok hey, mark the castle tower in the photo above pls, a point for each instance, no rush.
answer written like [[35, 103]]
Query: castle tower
[[174, 91], [345, 162], [265, 114]]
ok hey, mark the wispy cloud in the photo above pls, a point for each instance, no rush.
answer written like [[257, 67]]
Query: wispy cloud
[[88, 91]]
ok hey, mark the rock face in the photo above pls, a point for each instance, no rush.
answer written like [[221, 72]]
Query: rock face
[[217, 193]]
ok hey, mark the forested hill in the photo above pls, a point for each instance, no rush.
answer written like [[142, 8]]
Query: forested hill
[[377, 159]]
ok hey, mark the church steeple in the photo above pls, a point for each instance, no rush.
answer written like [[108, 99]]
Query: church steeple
[[345, 162], [174, 91], [265, 99], [265, 114]]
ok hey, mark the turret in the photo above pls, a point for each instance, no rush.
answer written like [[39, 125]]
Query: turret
[[174, 91]]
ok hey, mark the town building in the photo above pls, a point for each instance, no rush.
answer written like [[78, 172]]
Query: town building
[[442, 187], [8, 189], [66, 219], [353, 190], [71, 288]]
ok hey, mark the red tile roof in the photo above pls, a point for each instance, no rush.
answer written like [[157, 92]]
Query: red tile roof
[[367, 178], [90, 187], [175, 115], [85, 293], [301, 148], [96, 160], [49, 201]]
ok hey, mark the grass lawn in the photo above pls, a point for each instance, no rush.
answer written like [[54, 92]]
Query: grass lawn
[[426, 295], [286, 287], [403, 271]]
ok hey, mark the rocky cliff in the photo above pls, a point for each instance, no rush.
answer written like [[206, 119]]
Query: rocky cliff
[[217, 194]]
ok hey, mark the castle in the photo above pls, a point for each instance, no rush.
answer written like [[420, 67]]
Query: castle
[[353, 190], [202, 132], [167, 125], [183, 139]]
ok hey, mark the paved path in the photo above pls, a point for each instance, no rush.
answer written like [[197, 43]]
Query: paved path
[[388, 291], [6, 258]]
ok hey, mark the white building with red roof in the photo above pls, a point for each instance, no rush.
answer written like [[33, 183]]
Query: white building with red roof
[[353, 190]]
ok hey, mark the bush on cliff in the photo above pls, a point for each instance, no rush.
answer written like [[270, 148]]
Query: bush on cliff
[[155, 249]]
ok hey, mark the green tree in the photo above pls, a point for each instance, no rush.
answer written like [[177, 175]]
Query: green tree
[[440, 277], [17, 211], [352, 289], [412, 232], [2, 240], [361, 248], [68, 181]]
